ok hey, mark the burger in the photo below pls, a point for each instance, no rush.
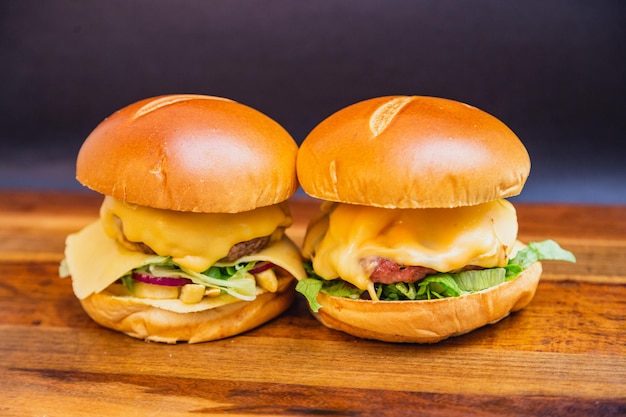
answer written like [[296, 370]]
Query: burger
[[190, 244], [415, 240]]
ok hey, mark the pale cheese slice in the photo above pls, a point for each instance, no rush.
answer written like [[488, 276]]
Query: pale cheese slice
[[178, 306], [95, 261]]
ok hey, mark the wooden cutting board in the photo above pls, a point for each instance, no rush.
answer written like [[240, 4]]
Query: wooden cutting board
[[565, 354]]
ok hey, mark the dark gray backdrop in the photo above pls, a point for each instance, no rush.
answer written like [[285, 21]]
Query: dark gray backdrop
[[552, 70]]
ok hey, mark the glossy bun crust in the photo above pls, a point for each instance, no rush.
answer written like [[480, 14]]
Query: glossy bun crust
[[190, 153], [141, 321], [428, 321], [412, 152]]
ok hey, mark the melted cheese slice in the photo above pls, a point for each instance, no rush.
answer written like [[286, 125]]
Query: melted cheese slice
[[95, 261], [195, 241], [444, 239]]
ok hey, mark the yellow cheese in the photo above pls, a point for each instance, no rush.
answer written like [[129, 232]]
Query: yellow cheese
[[441, 239], [95, 260], [195, 241]]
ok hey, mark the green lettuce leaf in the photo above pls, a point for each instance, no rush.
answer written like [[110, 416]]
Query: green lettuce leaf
[[439, 286], [310, 288], [340, 288], [480, 279], [547, 250]]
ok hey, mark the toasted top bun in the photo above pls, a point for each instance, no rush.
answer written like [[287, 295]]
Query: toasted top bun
[[428, 321], [412, 152], [190, 153]]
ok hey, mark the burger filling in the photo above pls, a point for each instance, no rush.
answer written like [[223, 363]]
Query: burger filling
[[414, 254], [175, 259]]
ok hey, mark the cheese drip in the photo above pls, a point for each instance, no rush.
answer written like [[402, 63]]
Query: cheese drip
[[195, 241], [445, 239]]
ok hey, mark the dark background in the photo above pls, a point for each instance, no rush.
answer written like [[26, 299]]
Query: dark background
[[552, 70]]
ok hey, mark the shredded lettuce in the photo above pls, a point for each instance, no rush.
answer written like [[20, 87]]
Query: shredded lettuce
[[311, 287], [234, 280], [440, 285]]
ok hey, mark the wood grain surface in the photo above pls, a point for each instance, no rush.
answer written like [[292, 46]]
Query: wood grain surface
[[565, 354]]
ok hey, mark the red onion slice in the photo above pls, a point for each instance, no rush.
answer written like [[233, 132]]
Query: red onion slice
[[262, 266], [165, 281]]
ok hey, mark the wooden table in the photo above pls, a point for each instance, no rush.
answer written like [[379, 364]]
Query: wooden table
[[565, 354]]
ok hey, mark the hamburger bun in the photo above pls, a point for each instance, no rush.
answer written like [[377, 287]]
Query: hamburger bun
[[428, 321], [160, 152], [412, 152], [137, 319]]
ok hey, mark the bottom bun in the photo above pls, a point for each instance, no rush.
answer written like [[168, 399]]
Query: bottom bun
[[158, 325], [428, 321]]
